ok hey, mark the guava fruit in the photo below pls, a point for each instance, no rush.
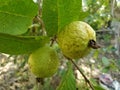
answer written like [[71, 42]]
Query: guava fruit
[[43, 62], [74, 39]]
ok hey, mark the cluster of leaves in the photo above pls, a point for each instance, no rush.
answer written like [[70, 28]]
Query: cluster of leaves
[[17, 16], [15, 20]]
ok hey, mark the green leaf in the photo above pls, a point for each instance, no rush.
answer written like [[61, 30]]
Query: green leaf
[[58, 13], [68, 11], [11, 44], [68, 80], [16, 16], [105, 61], [98, 88], [50, 16], [83, 15]]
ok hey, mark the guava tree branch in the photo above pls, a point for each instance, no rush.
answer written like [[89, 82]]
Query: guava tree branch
[[38, 17], [42, 25], [86, 79], [39, 7]]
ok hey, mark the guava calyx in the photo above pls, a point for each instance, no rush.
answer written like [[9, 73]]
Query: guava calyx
[[93, 44]]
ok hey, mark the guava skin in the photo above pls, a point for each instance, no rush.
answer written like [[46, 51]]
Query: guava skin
[[74, 38], [43, 62]]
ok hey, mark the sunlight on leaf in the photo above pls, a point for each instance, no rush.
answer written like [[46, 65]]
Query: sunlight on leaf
[[16, 16]]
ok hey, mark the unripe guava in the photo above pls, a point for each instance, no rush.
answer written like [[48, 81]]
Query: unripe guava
[[74, 38], [43, 62]]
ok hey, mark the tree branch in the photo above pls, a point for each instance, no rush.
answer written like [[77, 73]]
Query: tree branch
[[39, 7], [42, 25], [87, 80]]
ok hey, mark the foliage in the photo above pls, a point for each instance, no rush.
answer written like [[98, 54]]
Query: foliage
[[18, 19], [57, 14], [99, 13], [52, 18], [16, 16], [68, 80], [20, 44]]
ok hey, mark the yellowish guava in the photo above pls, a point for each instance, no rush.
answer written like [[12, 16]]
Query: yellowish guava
[[73, 39], [43, 62]]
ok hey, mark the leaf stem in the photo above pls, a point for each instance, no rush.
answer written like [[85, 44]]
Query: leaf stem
[[86, 79]]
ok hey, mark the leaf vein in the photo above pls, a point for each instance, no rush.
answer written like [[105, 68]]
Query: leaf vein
[[14, 14]]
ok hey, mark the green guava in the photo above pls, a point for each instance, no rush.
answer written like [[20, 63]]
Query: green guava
[[43, 62], [74, 38]]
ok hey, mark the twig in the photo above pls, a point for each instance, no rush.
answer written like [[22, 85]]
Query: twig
[[39, 17], [42, 25], [99, 31], [53, 40], [39, 7], [87, 80]]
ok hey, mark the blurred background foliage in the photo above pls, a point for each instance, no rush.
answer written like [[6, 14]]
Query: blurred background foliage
[[99, 13]]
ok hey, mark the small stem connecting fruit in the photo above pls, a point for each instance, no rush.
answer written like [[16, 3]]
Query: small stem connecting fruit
[[86, 79], [53, 40], [40, 83], [40, 80]]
